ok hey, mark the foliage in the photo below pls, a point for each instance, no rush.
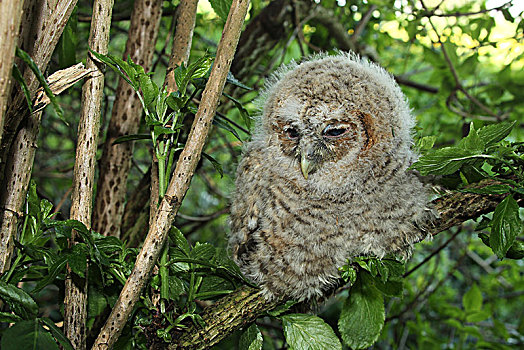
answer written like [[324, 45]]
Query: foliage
[[463, 293]]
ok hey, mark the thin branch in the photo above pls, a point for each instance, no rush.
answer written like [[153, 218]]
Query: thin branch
[[179, 184]]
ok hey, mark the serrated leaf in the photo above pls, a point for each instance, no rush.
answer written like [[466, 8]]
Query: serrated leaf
[[491, 189], [77, 259], [221, 7], [444, 161], [202, 251], [179, 240], [425, 143], [472, 142], [19, 301], [309, 332], [494, 133], [472, 299], [27, 335], [390, 288], [505, 226], [362, 316], [251, 339]]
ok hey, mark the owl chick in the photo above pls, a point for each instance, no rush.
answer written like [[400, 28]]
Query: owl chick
[[324, 177]]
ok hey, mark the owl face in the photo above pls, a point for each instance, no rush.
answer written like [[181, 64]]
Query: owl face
[[332, 117]]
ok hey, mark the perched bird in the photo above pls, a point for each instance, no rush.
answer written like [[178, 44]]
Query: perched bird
[[325, 177]]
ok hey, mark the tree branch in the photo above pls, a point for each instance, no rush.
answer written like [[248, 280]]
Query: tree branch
[[179, 184]]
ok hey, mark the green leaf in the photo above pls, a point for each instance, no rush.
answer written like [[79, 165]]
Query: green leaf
[[491, 189], [41, 79], [179, 240], [390, 288], [149, 88], [96, 302], [68, 43], [309, 332], [133, 137], [202, 251], [20, 79], [226, 126], [120, 67], [243, 112], [363, 314], [57, 267], [425, 143], [505, 226], [494, 133], [280, 309], [27, 335], [234, 81], [251, 339], [221, 7], [472, 142], [57, 333], [77, 259], [444, 161], [472, 299], [21, 303], [478, 316], [9, 317], [348, 273], [215, 163]]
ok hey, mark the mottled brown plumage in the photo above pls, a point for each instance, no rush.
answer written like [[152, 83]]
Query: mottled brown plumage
[[324, 177]]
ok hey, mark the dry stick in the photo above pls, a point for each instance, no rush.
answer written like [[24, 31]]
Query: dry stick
[[180, 182], [453, 209], [10, 15], [75, 300], [125, 120], [17, 151]]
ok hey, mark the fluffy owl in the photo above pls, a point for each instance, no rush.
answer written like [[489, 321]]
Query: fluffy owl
[[325, 177]]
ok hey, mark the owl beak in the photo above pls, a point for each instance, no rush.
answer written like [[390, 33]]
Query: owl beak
[[305, 166]]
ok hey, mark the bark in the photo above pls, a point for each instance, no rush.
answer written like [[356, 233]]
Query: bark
[[180, 182], [17, 148], [125, 120], [10, 16], [246, 304], [75, 300], [186, 15]]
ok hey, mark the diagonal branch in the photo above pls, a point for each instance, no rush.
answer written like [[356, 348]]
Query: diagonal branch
[[179, 184]]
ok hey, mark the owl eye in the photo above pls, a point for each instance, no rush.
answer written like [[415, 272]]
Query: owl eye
[[291, 133], [332, 131]]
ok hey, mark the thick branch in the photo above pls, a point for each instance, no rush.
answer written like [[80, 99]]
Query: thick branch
[[125, 120], [453, 209], [10, 15], [180, 182], [75, 300]]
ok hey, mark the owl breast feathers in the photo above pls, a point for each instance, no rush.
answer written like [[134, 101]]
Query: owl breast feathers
[[325, 177]]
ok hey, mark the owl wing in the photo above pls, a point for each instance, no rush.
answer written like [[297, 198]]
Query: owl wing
[[246, 206]]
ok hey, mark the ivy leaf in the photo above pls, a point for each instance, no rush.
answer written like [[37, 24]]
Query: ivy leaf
[[472, 299], [363, 314], [221, 7], [505, 226], [309, 332], [251, 339], [27, 335], [18, 301]]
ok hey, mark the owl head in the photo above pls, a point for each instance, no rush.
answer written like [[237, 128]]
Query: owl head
[[333, 121]]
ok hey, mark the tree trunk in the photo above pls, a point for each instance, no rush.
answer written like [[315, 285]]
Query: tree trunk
[[18, 147], [75, 300], [125, 120]]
